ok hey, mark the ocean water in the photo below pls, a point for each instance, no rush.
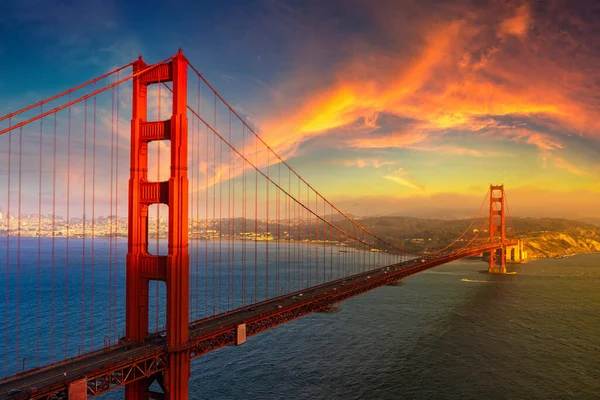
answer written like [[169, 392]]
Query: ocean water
[[448, 333], [45, 315]]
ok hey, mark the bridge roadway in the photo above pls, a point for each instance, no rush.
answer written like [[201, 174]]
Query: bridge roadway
[[112, 367]]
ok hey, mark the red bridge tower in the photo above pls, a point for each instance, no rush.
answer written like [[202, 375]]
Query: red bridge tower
[[142, 267], [497, 226]]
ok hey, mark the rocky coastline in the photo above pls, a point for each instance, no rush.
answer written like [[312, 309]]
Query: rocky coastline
[[562, 244]]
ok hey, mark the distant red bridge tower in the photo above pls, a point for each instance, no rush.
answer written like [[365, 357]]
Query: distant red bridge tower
[[497, 229], [142, 267]]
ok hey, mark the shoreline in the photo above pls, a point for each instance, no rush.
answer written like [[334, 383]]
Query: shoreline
[[562, 257]]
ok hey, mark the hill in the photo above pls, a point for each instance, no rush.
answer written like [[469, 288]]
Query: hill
[[542, 237]]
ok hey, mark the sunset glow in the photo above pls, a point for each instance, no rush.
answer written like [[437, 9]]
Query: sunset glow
[[382, 105]]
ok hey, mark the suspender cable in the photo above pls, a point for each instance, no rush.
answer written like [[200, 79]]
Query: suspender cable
[[316, 239], [53, 241], [18, 306], [7, 271], [255, 221], [84, 216], [341, 264], [244, 216], [298, 237], [39, 249], [367, 256], [355, 249], [194, 222], [193, 227], [330, 244], [118, 105], [230, 230], [303, 233], [111, 217], [289, 238], [278, 195], [294, 235], [267, 233], [309, 241], [324, 244], [93, 260], [285, 243], [233, 263], [206, 230], [220, 221], [197, 169], [509, 216], [214, 204], [66, 345], [288, 266]]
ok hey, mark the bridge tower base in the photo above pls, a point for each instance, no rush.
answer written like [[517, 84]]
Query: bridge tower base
[[497, 230], [143, 267]]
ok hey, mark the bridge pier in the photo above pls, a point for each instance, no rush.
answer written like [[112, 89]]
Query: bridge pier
[[516, 253], [497, 262], [177, 375], [137, 390]]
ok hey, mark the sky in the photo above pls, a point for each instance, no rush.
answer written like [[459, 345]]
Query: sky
[[386, 107]]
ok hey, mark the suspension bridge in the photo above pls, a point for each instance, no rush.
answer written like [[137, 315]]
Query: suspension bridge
[[218, 238]]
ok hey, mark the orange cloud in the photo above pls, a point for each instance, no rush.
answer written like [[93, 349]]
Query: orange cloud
[[564, 164], [399, 178], [462, 75], [372, 162], [561, 163], [461, 151], [542, 141], [348, 100], [516, 25], [393, 140]]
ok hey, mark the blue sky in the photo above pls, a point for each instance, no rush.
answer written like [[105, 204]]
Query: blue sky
[[381, 104]]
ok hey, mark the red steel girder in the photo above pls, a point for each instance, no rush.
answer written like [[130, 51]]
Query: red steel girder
[[125, 373], [106, 378]]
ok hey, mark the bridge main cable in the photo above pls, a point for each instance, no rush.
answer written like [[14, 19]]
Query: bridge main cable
[[80, 99], [49, 99]]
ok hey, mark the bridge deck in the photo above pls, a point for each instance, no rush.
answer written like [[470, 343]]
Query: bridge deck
[[113, 367]]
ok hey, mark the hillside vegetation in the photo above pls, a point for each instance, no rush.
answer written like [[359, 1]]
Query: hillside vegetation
[[542, 237]]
